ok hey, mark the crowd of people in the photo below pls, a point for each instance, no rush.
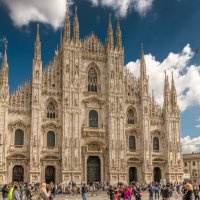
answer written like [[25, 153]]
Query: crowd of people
[[134, 191]]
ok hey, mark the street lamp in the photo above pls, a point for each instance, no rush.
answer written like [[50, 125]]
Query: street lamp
[[118, 175]]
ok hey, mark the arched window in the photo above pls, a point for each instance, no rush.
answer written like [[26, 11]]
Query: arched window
[[132, 146], [92, 80], [93, 119], [156, 144], [131, 116], [51, 139], [19, 137], [52, 109]]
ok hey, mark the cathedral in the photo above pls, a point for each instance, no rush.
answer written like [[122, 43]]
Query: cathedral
[[86, 118]]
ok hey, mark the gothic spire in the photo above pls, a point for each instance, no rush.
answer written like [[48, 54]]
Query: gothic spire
[[67, 26], [173, 92], [143, 75], [166, 91], [5, 60], [61, 40], [110, 41], [37, 51], [76, 27], [118, 36]]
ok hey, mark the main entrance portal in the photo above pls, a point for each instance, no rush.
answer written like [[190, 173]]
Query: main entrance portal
[[132, 174], [18, 173], [93, 169], [157, 174], [50, 174]]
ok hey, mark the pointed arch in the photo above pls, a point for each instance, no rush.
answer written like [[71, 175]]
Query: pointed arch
[[131, 116], [52, 109], [92, 79]]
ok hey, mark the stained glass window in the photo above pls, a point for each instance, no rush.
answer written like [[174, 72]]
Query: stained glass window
[[19, 137], [50, 139], [93, 119], [92, 80]]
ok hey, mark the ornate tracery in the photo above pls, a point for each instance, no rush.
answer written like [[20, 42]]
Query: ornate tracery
[[52, 109], [131, 116], [92, 80]]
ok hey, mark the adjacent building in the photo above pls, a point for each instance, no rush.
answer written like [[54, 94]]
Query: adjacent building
[[87, 118], [192, 167]]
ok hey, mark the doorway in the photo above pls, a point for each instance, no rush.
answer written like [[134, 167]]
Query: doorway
[[18, 173], [132, 174], [50, 174], [93, 169], [157, 174]]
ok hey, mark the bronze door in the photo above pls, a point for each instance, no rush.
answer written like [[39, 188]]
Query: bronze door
[[18, 173], [132, 174], [93, 169], [50, 174]]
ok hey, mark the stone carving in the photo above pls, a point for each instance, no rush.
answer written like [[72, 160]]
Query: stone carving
[[94, 147]]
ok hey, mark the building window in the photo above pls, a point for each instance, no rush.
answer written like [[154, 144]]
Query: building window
[[194, 163], [93, 119], [50, 139], [131, 116], [52, 109], [19, 137], [156, 144], [92, 80], [132, 146], [185, 164]]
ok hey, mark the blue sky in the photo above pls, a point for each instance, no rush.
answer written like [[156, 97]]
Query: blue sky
[[169, 29]]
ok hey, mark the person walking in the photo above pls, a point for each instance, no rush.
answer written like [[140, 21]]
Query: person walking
[[43, 194], [196, 193], [84, 191], [10, 193], [16, 193], [5, 191]]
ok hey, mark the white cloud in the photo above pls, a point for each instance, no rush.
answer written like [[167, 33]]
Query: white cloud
[[121, 7], [190, 145], [187, 76], [22, 12], [198, 125]]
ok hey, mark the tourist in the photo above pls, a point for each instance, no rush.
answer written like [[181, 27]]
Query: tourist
[[16, 193], [196, 193], [111, 192], [28, 193], [43, 194], [127, 193], [188, 192], [5, 191], [10, 193], [150, 190], [84, 191]]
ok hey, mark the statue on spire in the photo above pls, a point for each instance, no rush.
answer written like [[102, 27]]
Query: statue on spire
[[37, 50]]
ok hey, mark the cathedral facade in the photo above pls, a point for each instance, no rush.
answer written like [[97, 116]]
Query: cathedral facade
[[86, 118]]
